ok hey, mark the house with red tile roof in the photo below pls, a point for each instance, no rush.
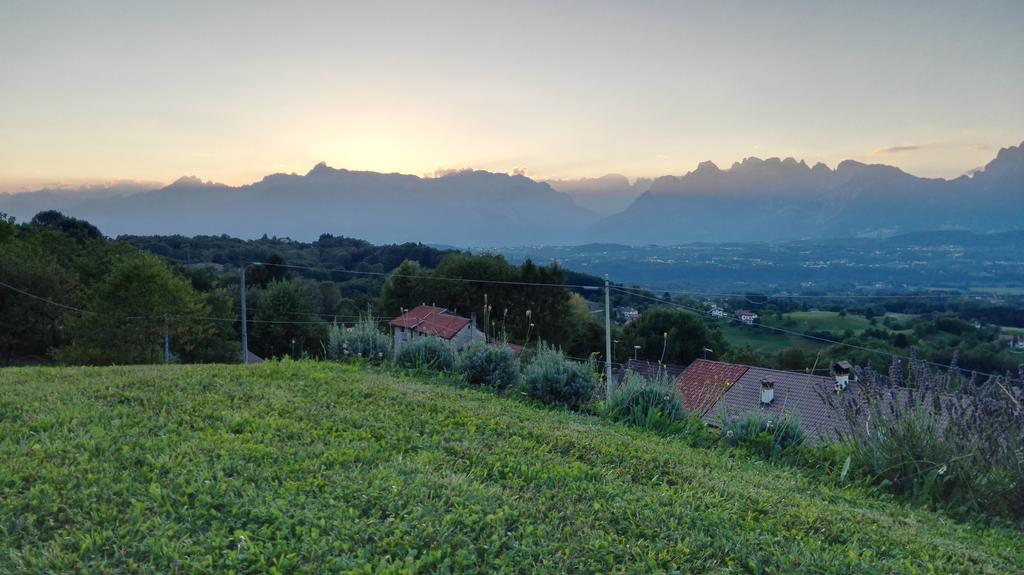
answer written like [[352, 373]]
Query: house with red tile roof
[[432, 321]]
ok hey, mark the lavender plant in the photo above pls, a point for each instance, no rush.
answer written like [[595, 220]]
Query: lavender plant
[[937, 436]]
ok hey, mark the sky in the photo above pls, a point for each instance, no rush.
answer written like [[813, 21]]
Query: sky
[[231, 91]]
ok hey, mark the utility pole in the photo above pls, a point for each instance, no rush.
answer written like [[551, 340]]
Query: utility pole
[[167, 340], [245, 327], [607, 339]]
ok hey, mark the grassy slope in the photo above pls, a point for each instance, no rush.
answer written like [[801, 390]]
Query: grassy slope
[[821, 321], [325, 467], [765, 340]]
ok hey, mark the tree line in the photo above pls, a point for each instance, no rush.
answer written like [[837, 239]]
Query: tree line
[[96, 300]]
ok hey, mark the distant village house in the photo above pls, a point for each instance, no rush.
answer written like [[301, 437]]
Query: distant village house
[[432, 321], [747, 317]]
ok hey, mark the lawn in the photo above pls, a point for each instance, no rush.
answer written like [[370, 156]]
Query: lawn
[[1011, 330], [313, 467], [764, 340], [820, 321]]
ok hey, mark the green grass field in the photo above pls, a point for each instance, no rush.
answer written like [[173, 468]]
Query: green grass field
[[820, 321], [764, 340], [328, 468]]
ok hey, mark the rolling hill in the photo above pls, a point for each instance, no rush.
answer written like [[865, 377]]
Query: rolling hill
[[304, 466]]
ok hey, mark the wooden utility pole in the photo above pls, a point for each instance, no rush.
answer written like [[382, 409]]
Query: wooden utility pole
[[607, 339]]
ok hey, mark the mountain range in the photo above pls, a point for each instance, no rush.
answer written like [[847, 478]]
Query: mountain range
[[753, 200]]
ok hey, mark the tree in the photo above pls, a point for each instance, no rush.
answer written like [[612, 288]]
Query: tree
[[285, 319], [261, 275], [681, 334], [129, 311], [7, 228], [31, 326], [404, 289], [585, 333], [792, 358], [81, 230], [745, 355]]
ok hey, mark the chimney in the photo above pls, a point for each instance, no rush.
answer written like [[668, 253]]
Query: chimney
[[841, 374], [767, 391]]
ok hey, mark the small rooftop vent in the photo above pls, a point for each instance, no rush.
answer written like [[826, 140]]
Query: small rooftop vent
[[841, 373], [767, 391]]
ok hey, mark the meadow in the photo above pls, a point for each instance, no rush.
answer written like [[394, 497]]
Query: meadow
[[765, 340], [322, 467], [835, 322]]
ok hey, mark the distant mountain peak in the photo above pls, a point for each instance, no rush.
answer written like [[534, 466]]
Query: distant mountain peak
[[707, 167], [322, 169], [1009, 158], [820, 168], [193, 182]]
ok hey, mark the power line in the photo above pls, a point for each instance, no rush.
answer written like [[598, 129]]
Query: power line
[[46, 300], [809, 336]]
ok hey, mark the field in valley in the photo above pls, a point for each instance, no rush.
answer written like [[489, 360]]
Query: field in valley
[[318, 467]]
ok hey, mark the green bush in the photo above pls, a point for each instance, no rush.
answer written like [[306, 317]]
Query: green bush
[[366, 341], [555, 380], [426, 353], [767, 437], [653, 404], [492, 365]]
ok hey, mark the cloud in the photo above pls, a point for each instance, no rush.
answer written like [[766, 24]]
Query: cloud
[[903, 148], [897, 149], [442, 172]]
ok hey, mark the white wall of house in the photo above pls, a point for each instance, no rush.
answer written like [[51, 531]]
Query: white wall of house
[[464, 337]]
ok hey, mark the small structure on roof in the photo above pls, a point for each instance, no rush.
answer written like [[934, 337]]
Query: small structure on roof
[[433, 321], [841, 371]]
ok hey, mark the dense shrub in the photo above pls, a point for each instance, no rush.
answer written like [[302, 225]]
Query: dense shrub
[[492, 365], [365, 340], [335, 342], [555, 380], [653, 404], [769, 437], [938, 437], [426, 353]]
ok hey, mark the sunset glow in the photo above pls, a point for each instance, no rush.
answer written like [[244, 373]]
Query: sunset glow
[[121, 91]]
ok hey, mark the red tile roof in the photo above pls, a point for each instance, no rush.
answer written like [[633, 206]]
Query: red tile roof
[[431, 320], [705, 381]]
